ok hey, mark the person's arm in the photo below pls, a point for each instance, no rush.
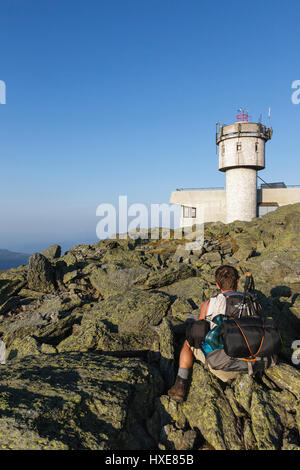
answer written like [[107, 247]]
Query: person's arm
[[203, 310]]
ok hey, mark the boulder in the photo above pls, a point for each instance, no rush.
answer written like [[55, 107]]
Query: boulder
[[54, 251], [208, 410], [112, 281], [121, 322], [167, 276], [11, 282], [265, 421], [77, 402], [41, 274]]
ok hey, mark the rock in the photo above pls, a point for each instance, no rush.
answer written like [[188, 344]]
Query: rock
[[273, 269], [181, 308], [11, 282], [77, 401], [70, 276], [41, 274], [31, 294], [11, 303], [285, 377], [266, 424], [165, 352], [177, 439], [212, 414], [181, 254], [248, 436], [69, 259], [213, 258], [111, 282], [170, 412], [22, 347], [226, 248], [122, 315], [193, 289], [244, 248], [54, 251], [243, 387], [166, 276], [48, 349]]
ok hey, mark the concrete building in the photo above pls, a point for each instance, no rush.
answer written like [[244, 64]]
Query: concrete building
[[241, 155]]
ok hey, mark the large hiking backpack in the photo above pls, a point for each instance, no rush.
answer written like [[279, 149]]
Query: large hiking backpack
[[242, 340]]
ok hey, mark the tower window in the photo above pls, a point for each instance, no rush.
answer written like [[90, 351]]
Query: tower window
[[189, 212], [223, 149], [239, 147], [256, 146], [186, 211]]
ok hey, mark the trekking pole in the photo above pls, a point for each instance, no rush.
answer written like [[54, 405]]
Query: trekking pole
[[249, 288], [248, 282]]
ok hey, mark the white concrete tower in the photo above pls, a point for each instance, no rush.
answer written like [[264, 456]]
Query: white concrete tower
[[241, 155]]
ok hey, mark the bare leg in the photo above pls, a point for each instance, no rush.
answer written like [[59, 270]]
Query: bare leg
[[186, 358]]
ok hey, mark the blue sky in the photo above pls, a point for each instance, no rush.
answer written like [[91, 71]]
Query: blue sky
[[121, 97]]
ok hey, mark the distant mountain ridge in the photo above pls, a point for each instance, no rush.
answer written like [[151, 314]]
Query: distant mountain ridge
[[10, 259]]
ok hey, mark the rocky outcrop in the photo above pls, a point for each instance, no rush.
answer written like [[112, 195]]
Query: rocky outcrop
[[93, 338], [77, 401], [40, 275]]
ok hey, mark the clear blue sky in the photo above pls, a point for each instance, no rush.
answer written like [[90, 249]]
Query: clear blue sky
[[121, 97]]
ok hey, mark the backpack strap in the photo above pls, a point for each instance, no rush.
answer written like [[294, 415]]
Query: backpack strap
[[252, 355], [204, 310]]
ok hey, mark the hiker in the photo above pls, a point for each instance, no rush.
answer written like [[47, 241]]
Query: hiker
[[227, 279], [219, 339]]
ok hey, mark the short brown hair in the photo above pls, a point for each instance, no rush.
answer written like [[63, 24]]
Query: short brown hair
[[227, 277]]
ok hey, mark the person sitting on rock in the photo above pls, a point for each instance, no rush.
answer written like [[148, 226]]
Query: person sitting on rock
[[227, 280]]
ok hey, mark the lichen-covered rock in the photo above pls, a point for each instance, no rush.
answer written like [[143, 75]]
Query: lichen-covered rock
[[248, 436], [52, 252], [11, 282], [243, 387], [207, 409], [266, 424], [169, 275], [165, 351], [111, 282], [285, 377], [76, 401], [177, 439], [193, 289], [180, 308], [22, 347], [135, 310], [41, 274], [120, 323], [46, 321]]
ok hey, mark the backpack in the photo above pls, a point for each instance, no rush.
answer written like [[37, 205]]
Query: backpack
[[241, 340]]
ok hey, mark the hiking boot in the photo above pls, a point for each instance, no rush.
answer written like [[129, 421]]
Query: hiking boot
[[177, 392]]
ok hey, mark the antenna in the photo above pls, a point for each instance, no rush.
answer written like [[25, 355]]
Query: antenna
[[269, 116]]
